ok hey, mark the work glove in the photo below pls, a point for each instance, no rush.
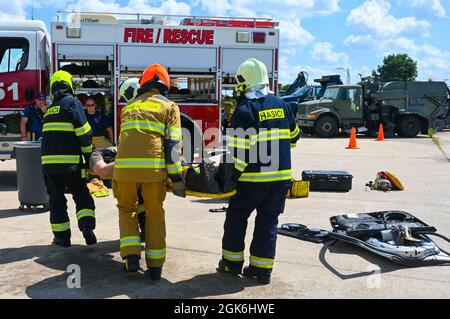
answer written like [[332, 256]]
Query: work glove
[[109, 154], [179, 189], [227, 175]]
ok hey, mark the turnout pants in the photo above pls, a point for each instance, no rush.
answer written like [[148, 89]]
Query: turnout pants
[[269, 200], [153, 195], [85, 207]]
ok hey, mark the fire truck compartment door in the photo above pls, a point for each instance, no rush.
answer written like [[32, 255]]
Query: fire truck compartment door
[[85, 52], [233, 58], [175, 58]]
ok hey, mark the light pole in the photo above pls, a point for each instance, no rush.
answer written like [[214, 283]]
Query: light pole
[[348, 73]]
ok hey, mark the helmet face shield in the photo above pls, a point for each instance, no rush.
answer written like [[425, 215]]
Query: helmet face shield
[[240, 78]]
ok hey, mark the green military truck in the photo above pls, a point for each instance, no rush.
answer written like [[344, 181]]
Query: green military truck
[[404, 108]]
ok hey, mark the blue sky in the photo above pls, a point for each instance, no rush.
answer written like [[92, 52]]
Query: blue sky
[[318, 36]]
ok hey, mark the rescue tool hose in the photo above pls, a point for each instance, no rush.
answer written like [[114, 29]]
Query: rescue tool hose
[[434, 234], [442, 237]]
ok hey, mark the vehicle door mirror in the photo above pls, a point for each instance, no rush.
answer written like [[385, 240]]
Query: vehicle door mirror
[[29, 94]]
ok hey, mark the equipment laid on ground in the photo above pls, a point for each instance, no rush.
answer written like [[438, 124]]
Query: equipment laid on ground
[[395, 235], [97, 188], [386, 181], [337, 181], [299, 189], [30, 181], [405, 108]]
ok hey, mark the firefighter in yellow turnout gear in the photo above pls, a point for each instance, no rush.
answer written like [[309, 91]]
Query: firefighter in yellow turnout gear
[[149, 151]]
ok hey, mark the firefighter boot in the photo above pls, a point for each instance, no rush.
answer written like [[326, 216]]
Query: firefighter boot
[[89, 236], [131, 263], [155, 273], [62, 242], [250, 272], [225, 269]]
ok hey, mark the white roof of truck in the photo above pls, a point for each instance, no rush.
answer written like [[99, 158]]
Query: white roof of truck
[[23, 25]]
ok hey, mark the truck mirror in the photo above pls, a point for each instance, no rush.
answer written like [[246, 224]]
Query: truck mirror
[[29, 94]]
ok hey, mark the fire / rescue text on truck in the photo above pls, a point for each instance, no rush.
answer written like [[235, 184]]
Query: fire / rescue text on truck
[[172, 36]]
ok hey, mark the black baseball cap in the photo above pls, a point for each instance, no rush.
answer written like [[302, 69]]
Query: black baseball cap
[[41, 96]]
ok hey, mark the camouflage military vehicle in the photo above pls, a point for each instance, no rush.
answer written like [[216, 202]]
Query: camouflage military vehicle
[[404, 108]]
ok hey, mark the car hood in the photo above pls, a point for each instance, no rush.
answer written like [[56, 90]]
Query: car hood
[[306, 108], [290, 98]]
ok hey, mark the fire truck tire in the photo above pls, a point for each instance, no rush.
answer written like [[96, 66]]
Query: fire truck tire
[[326, 127], [409, 126]]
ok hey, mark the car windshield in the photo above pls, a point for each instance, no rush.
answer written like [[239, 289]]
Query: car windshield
[[331, 93], [301, 91]]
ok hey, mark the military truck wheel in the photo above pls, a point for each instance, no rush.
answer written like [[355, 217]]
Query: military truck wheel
[[326, 127], [409, 126]]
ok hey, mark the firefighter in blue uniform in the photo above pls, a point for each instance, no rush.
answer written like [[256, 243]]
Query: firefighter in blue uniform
[[262, 124], [66, 147]]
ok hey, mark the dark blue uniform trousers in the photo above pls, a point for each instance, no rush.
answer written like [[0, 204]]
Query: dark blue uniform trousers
[[59, 218], [269, 200]]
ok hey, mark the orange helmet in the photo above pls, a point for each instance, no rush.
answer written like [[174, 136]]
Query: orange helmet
[[155, 72]]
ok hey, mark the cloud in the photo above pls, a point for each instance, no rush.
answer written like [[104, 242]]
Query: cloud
[[13, 10], [133, 6], [294, 34], [428, 8], [374, 16], [323, 51], [415, 49], [431, 61], [287, 9], [289, 14], [18, 9], [326, 7], [362, 42], [376, 29]]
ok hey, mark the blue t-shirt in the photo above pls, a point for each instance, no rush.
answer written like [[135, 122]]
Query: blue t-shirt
[[35, 120], [99, 123]]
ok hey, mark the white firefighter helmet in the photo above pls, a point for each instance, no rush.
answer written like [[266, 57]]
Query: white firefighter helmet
[[128, 89], [252, 76]]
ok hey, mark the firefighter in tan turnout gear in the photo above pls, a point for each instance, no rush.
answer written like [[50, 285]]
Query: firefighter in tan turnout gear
[[149, 151]]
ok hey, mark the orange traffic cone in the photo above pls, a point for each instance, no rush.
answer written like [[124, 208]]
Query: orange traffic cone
[[380, 137], [352, 144]]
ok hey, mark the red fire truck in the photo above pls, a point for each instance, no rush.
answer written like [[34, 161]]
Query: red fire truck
[[202, 55], [24, 70]]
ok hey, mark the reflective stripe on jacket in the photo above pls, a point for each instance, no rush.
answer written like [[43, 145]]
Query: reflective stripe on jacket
[[66, 136], [260, 140], [150, 128]]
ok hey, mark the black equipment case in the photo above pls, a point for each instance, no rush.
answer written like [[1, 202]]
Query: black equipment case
[[337, 181]]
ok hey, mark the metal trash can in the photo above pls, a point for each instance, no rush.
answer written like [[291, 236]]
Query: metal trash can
[[30, 180]]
